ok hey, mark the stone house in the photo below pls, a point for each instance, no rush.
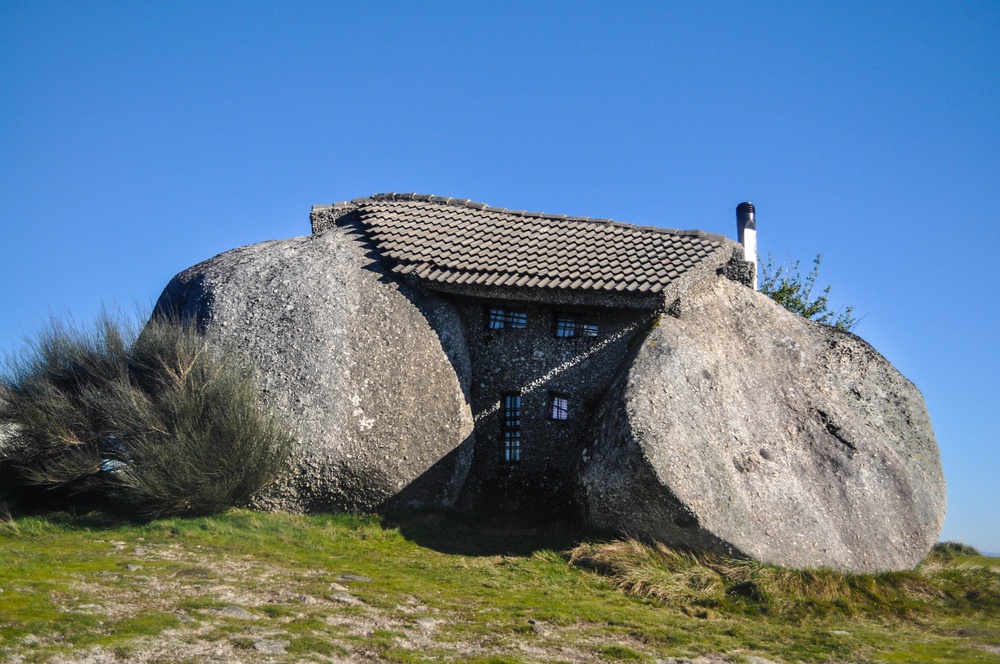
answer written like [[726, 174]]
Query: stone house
[[434, 352], [551, 306]]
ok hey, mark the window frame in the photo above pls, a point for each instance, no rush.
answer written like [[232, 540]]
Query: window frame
[[575, 326], [511, 452], [511, 417], [556, 408], [504, 318]]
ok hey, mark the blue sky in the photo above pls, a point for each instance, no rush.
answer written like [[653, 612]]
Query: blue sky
[[137, 139]]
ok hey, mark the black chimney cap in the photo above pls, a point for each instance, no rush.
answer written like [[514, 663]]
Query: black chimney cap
[[744, 207]]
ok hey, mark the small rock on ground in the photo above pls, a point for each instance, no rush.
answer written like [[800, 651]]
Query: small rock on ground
[[346, 598], [538, 628], [270, 647], [89, 608], [237, 612], [427, 625]]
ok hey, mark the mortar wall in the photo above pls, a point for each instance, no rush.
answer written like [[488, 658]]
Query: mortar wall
[[535, 363]]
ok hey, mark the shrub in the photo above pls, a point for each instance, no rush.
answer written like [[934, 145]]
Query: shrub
[[954, 549], [158, 422], [785, 285]]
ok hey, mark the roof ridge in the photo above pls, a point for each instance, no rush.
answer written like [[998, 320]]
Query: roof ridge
[[467, 203]]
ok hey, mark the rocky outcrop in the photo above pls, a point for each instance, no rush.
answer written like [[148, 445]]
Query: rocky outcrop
[[738, 427], [733, 426], [371, 375]]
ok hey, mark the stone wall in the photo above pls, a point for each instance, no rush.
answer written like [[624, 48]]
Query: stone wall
[[535, 363]]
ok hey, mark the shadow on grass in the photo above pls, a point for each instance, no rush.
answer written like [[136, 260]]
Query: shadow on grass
[[71, 513], [440, 530], [452, 533]]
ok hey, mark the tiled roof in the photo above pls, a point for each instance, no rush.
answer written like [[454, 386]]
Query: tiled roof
[[456, 241]]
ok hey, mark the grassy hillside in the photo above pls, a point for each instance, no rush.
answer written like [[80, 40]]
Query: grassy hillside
[[268, 587]]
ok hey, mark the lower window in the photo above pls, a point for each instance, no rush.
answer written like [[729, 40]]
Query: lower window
[[512, 445]]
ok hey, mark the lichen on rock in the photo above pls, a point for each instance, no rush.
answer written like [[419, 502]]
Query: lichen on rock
[[732, 426], [350, 359], [741, 428]]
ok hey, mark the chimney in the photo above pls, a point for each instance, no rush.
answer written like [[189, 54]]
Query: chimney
[[746, 230]]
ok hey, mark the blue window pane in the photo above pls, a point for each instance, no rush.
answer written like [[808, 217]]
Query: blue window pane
[[505, 319], [573, 326], [565, 328], [512, 445], [560, 407], [496, 319], [512, 410], [511, 427]]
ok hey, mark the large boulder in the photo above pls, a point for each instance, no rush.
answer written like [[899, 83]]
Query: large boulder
[[740, 428], [349, 359]]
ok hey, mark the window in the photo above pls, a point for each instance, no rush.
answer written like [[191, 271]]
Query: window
[[559, 409], [510, 427], [512, 445], [511, 410], [568, 327], [507, 319]]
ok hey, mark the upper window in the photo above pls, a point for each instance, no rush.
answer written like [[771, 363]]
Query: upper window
[[507, 319], [568, 326], [511, 410], [559, 406]]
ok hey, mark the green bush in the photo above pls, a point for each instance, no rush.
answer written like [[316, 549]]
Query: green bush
[[954, 549], [785, 285], [158, 423]]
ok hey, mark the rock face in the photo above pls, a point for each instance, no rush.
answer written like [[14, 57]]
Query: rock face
[[349, 358], [732, 426], [738, 427]]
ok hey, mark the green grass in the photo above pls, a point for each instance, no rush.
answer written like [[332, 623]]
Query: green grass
[[616, 601]]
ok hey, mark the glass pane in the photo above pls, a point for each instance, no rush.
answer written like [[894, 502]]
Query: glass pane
[[505, 319], [565, 328], [496, 319], [560, 408], [512, 445], [512, 410], [589, 329]]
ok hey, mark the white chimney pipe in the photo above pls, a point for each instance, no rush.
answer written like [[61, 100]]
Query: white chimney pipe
[[746, 229]]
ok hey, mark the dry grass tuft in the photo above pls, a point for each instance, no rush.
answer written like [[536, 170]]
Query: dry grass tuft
[[683, 578]]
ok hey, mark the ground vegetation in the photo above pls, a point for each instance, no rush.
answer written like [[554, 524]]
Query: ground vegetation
[[246, 586], [154, 423]]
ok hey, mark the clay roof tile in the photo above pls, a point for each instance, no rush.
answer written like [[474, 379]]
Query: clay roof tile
[[460, 241]]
